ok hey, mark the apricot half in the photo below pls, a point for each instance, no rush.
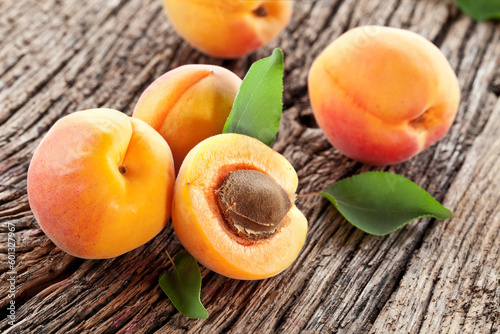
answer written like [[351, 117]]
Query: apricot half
[[233, 207], [228, 28], [188, 104], [381, 95], [101, 183]]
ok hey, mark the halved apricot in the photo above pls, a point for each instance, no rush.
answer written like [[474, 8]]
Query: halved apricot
[[233, 207]]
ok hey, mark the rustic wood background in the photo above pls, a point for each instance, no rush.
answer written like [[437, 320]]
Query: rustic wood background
[[57, 57]]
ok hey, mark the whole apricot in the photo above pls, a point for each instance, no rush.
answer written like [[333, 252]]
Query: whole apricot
[[234, 210], [101, 183], [381, 95], [228, 28], [188, 104]]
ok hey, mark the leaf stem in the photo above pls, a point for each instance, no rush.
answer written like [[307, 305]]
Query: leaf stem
[[171, 261], [307, 195]]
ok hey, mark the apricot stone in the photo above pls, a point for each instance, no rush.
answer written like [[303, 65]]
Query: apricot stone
[[253, 203], [228, 28], [101, 183], [381, 95], [188, 104], [223, 237]]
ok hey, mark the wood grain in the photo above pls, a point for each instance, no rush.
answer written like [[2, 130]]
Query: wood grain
[[57, 57]]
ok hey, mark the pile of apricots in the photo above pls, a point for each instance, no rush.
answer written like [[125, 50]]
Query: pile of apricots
[[102, 183]]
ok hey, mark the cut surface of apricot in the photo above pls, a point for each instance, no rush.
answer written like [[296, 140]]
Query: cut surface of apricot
[[201, 225]]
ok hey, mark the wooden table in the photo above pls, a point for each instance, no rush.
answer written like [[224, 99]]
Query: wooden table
[[57, 57]]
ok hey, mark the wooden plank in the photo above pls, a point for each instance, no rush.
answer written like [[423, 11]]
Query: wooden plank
[[451, 284], [57, 57]]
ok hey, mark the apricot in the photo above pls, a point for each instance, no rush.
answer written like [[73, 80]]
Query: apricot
[[228, 28], [234, 210], [188, 104], [100, 183], [382, 95]]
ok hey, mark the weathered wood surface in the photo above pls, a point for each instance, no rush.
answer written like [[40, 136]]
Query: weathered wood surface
[[57, 57]]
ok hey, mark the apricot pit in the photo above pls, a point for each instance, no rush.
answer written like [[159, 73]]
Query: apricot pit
[[252, 203]]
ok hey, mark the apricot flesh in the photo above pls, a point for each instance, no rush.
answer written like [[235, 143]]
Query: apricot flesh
[[101, 183], [382, 95], [201, 226], [228, 28], [188, 104]]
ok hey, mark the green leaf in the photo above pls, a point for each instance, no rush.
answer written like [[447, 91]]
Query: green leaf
[[183, 286], [258, 105], [480, 10], [380, 203]]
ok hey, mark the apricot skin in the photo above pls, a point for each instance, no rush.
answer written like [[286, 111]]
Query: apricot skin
[[200, 225], [188, 104], [382, 95], [228, 28], [101, 183]]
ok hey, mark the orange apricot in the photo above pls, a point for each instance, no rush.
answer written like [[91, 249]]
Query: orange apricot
[[188, 104], [233, 208], [228, 28], [100, 183], [381, 95]]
